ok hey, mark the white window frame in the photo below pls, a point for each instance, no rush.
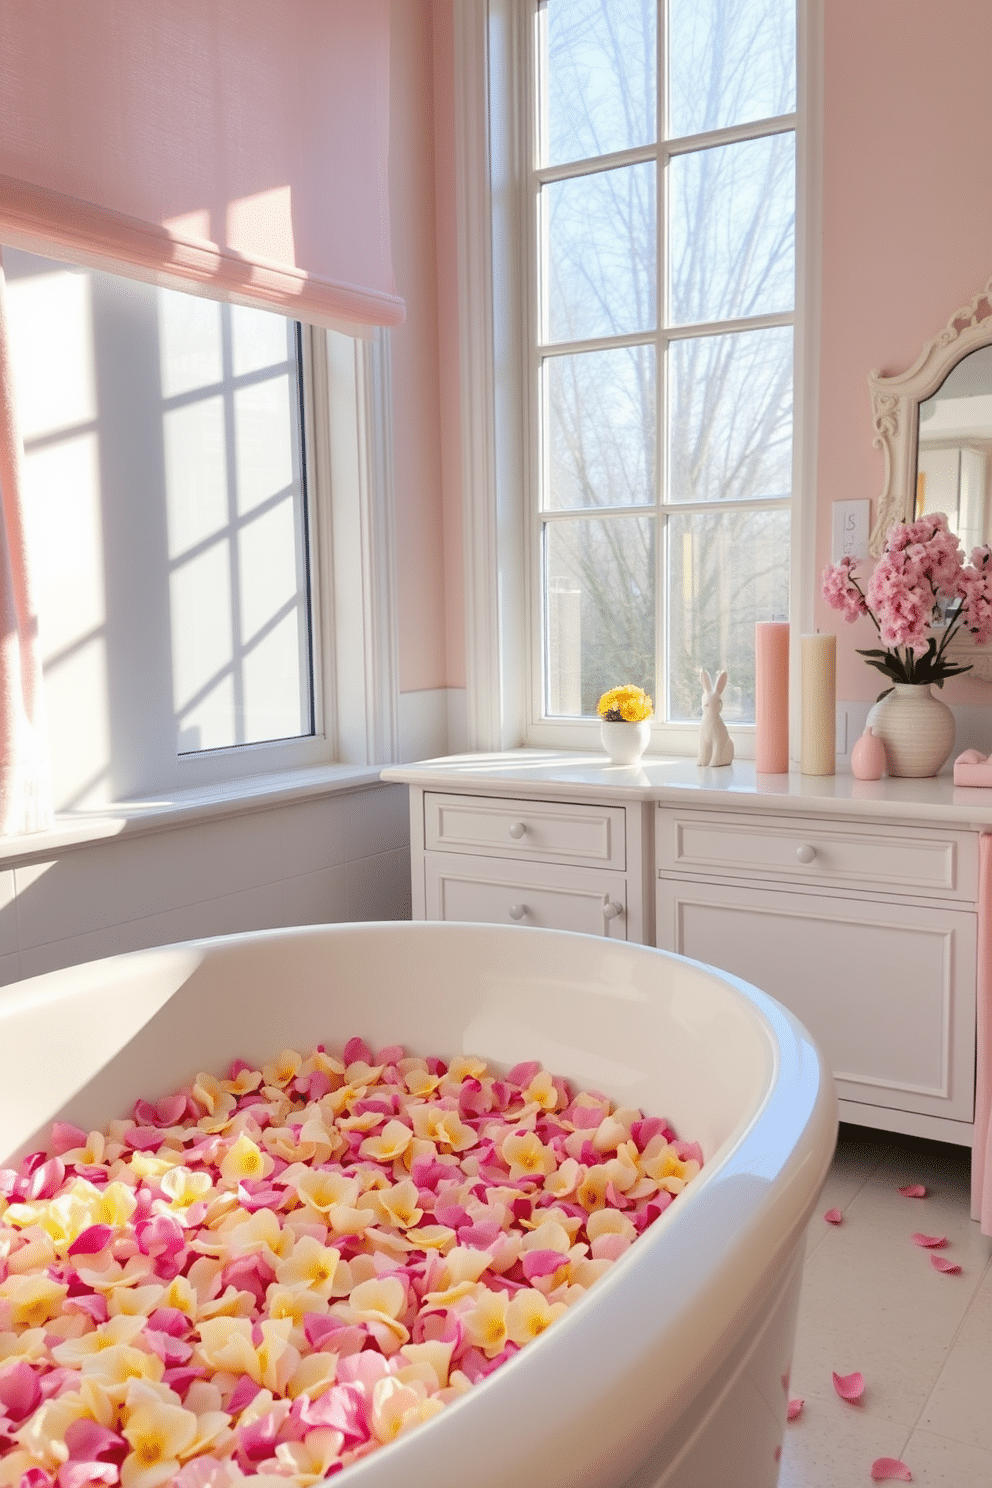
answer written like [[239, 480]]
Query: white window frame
[[347, 435], [492, 41], [351, 524]]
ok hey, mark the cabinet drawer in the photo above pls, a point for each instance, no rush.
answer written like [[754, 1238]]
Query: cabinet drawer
[[551, 832], [491, 892], [799, 854]]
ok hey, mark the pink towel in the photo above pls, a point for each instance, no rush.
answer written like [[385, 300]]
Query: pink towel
[[981, 1152]]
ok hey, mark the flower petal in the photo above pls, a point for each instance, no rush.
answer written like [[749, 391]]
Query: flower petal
[[914, 1191], [888, 1469], [930, 1242], [849, 1386], [833, 1216], [948, 1267], [796, 1407]]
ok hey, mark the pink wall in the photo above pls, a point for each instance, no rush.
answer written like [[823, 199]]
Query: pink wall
[[907, 238], [907, 234], [421, 573]]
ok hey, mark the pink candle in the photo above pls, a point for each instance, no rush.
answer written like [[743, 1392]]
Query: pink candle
[[771, 696]]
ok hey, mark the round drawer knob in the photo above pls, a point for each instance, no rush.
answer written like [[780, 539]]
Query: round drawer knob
[[611, 908], [517, 911], [805, 853], [517, 831]]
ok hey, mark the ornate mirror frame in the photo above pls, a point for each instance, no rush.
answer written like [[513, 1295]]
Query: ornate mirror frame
[[895, 413]]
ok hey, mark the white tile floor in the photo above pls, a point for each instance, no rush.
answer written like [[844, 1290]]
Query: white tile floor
[[872, 1302]]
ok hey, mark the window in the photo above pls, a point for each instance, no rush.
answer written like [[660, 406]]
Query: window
[[175, 469], [659, 346]]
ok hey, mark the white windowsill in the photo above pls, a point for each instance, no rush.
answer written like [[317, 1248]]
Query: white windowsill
[[182, 807]]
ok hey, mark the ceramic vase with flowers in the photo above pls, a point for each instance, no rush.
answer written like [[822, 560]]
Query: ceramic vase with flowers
[[625, 727], [920, 585]]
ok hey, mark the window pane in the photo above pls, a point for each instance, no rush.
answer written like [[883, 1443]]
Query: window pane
[[599, 577], [191, 353], [195, 445], [240, 626], [732, 235], [260, 340], [725, 572], [203, 650], [730, 416], [601, 408], [730, 61], [267, 444], [600, 71], [601, 254]]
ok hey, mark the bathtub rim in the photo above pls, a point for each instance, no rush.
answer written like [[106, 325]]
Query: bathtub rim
[[698, 1355]]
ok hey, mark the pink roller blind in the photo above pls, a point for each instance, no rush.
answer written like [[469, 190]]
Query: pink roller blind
[[234, 147]]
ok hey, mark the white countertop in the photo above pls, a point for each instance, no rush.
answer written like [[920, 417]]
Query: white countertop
[[531, 773]]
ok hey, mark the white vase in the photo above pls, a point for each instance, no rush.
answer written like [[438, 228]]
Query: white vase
[[625, 742], [916, 728]]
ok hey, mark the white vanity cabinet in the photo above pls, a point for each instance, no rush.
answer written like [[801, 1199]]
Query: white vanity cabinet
[[854, 903], [556, 863], [867, 931]]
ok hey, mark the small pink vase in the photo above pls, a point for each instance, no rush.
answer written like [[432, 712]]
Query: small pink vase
[[868, 758]]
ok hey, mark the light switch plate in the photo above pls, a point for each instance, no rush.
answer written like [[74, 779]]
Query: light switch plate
[[850, 534]]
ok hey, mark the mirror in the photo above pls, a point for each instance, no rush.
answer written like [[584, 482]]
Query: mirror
[[934, 427]]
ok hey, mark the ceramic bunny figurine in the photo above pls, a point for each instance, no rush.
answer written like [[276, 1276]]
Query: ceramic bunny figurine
[[716, 747]]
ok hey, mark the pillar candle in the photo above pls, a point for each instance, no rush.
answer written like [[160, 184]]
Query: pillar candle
[[771, 697], [819, 704]]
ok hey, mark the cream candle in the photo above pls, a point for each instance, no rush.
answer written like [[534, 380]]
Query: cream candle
[[771, 697], [819, 704]]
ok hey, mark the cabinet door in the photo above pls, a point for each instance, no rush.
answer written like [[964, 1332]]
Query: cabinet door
[[887, 989], [492, 892]]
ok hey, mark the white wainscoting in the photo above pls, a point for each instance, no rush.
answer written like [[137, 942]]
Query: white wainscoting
[[339, 856]]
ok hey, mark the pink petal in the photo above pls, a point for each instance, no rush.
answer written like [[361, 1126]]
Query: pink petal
[[66, 1137], [357, 1049], [833, 1216], [344, 1408], [181, 1378], [542, 1262], [92, 1240], [884, 1469], [643, 1131], [914, 1191], [795, 1407], [20, 1391], [170, 1320], [586, 1118], [143, 1138], [930, 1242], [46, 1179], [78, 1474], [159, 1236], [523, 1073], [849, 1386], [244, 1392], [87, 1441], [948, 1267], [95, 1304], [35, 1477]]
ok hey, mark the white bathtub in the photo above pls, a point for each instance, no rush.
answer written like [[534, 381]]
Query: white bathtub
[[674, 1370]]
